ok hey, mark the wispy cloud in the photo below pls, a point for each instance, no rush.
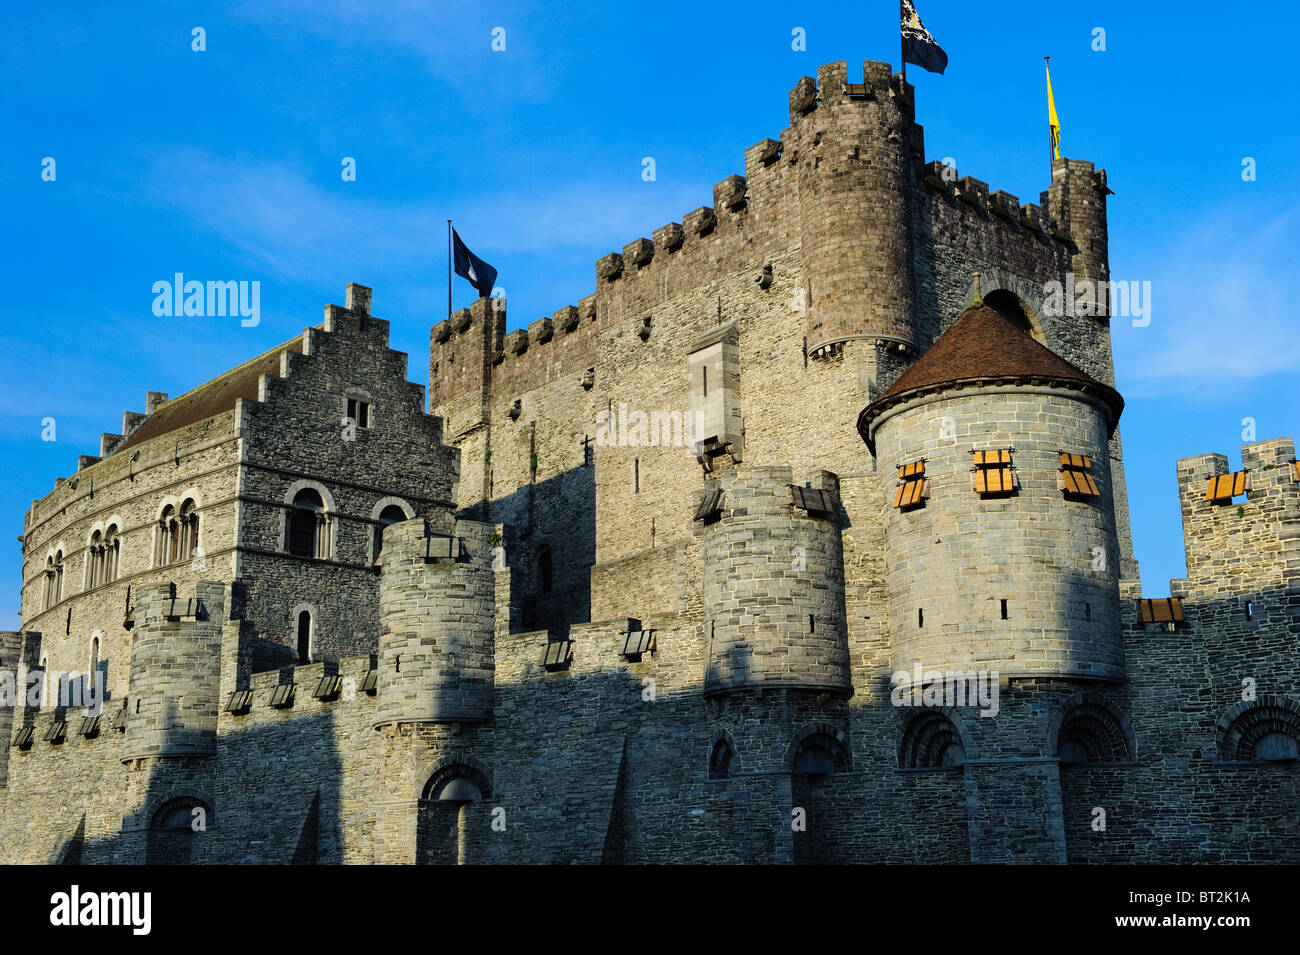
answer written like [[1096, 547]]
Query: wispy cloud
[[280, 219], [1223, 307]]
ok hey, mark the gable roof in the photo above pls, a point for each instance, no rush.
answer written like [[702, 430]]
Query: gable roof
[[984, 347], [211, 398]]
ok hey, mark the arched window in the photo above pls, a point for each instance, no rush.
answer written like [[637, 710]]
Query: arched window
[[390, 515], [173, 830], [304, 637], [1090, 733], [1263, 731], [94, 656], [168, 537], [95, 561], [112, 553], [308, 525], [189, 530], [931, 741], [544, 569], [1009, 306], [820, 755], [58, 576], [49, 582], [720, 760]]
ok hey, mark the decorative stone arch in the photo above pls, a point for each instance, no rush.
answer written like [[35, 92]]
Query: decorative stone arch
[[450, 809], [935, 738], [169, 836], [825, 736], [313, 616], [144, 818], [451, 766], [1029, 296], [303, 484], [1257, 731], [723, 741], [331, 509], [380, 506], [1088, 725]]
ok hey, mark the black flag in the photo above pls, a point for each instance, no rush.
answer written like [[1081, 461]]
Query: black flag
[[918, 46], [469, 266]]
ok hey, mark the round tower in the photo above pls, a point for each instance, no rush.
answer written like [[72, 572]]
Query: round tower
[[436, 605], [774, 583], [854, 210], [1001, 539], [175, 673]]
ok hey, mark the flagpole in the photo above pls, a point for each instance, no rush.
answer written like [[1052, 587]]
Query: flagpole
[[449, 268], [1051, 147], [902, 40]]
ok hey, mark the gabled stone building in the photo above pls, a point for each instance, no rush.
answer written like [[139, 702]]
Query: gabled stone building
[[803, 538]]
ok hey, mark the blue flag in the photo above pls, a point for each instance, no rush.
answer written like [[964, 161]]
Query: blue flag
[[469, 266]]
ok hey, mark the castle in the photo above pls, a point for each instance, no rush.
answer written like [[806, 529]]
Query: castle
[[803, 539]]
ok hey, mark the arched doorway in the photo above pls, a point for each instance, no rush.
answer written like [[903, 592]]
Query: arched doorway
[[443, 815]]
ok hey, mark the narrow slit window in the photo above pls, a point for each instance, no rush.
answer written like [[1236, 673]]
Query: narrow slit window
[[636, 476], [1004, 609], [920, 617]]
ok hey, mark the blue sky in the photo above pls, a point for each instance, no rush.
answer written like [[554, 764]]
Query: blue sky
[[225, 164]]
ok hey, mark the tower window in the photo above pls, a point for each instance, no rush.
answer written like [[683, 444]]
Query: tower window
[[920, 617], [914, 489], [812, 624], [1004, 610], [359, 411], [390, 515], [1076, 476], [544, 569], [309, 528], [1087, 611], [1250, 609], [992, 473], [636, 476], [304, 637]]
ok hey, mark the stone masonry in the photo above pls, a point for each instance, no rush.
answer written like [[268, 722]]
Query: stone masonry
[[804, 537]]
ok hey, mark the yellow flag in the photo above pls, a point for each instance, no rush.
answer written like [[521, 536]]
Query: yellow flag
[[1053, 123]]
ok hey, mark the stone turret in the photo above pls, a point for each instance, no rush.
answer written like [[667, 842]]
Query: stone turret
[[175, 672], [437, 605], [852, 144], [1010, 563], [774, 584]]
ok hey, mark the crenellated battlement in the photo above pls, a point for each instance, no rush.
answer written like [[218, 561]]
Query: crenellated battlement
[[1241, 529]]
